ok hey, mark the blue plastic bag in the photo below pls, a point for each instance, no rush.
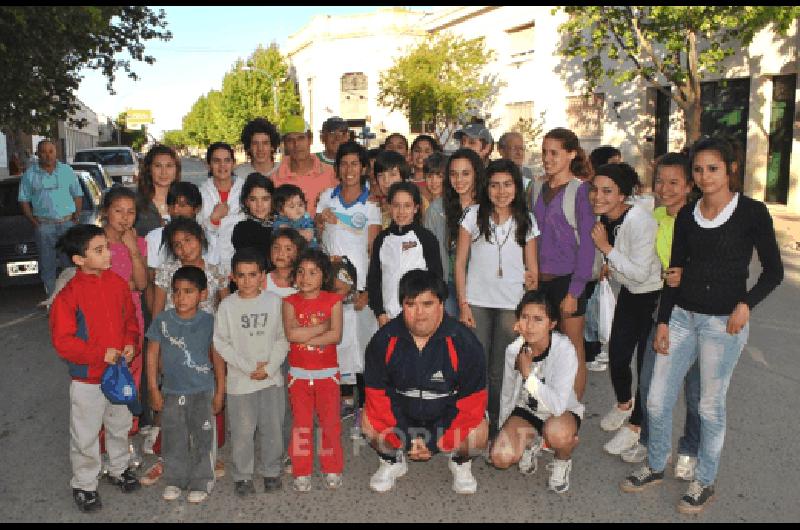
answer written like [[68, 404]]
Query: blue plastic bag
[[118, 386]]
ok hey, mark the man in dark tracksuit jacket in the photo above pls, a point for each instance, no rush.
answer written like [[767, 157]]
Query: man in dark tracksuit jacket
[[425, 376]]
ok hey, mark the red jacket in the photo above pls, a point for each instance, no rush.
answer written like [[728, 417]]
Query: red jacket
[[88, 316]]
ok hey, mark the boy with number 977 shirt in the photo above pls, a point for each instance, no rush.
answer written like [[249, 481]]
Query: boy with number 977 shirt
[[248, 334]]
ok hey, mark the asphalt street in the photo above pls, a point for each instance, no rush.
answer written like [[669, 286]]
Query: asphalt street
[[757, 480]]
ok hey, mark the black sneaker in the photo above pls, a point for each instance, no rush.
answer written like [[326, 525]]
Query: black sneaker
[[642, 479], [696, 498], [127, 482], [243, 488], [87, 501], [272, 484]]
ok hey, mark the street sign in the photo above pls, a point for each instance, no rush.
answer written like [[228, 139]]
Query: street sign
[[135, 118]]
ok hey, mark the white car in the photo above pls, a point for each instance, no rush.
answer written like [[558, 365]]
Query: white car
[[120, 162]]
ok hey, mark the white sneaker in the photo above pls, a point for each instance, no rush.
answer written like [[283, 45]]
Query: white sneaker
[[463, 481], [615, 418], [333, 480], [387, 473], [150, 439], [603, 355], [635, 454], [624, 439], [197, 496], [171, 493], [559, 475], [597, 366], [529, 461], [302, 484], [684, 467]]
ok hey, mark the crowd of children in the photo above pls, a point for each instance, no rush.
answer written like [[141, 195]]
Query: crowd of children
[[243, 298]]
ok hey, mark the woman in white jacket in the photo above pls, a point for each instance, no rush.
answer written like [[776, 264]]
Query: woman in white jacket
[[221, 209], [537, 401], [626, 235]]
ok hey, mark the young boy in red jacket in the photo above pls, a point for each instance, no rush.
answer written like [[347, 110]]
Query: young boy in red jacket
[[92, 324]]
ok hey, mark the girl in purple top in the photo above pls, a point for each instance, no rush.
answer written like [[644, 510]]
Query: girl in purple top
[[566, 254]]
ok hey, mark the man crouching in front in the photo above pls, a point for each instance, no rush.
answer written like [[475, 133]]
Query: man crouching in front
[[425, 376]]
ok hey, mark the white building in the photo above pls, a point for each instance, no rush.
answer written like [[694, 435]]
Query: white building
[[337, 61], [71, 138], [332, 55]]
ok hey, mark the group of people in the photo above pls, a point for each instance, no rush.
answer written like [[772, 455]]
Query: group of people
[[445, 302]]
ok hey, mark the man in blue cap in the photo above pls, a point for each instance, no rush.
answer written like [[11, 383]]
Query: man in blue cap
[[477, 137], [333, 134]]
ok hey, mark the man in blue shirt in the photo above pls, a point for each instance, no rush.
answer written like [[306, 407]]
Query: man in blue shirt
[[51, 198]]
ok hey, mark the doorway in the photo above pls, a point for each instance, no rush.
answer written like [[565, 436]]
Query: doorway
[[781, 123]]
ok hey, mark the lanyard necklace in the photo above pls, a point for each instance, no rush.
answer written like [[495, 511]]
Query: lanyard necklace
[[500, 246]]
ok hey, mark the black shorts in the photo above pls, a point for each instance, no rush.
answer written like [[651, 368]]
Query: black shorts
[[537, 423], [558, 288]]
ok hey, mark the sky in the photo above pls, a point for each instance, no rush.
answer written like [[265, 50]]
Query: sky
[[205, 44]]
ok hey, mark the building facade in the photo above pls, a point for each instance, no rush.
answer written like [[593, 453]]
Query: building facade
[[337, 61]]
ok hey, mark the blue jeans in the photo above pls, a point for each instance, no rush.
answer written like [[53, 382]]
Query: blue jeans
[[46, 236], [689, 442], [451, 304], [701, 338]]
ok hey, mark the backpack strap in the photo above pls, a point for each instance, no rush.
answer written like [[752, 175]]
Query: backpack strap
[[390, 349], [535, 190], [568, 205], [451, 349]]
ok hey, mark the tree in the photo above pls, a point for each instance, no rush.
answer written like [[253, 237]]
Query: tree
[[665, 45], [259, 87], [195, 124], [43, 49], [256, 87], [440, 82], [175, 139]]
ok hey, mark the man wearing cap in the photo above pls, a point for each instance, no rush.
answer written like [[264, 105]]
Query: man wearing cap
[[333, 134], [477, 137], [50, 197], [299, 166]]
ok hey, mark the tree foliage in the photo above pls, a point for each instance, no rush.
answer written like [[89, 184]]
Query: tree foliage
[[256, 87], [665, 45], [439, 81], [44, 48], [175, 139]]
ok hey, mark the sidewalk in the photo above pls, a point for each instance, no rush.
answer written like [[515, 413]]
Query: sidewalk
[[787, 227]]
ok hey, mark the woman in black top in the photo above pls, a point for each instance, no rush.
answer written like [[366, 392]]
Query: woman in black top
[[706, 318], [160, 168]]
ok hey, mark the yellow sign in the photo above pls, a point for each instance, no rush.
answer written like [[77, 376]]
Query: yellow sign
[[135, 118]]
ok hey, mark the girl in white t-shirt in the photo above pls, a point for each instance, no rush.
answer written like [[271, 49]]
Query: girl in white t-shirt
[[499, 236], [287, 244]]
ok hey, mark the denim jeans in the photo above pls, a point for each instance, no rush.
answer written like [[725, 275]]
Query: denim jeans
[[451, 304], [495, 331], [689, 442], [702, 338], [46, 236]]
